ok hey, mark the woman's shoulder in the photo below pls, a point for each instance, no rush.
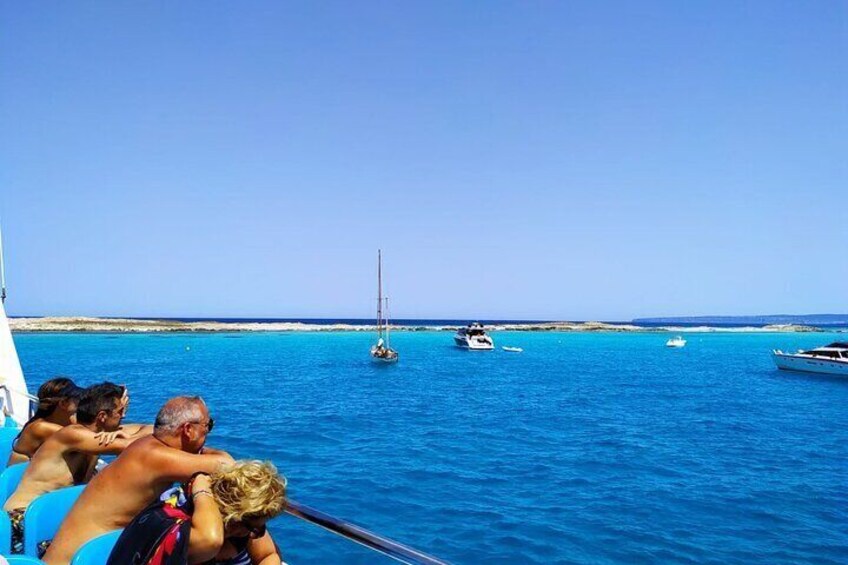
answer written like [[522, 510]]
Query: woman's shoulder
[[40, 430]]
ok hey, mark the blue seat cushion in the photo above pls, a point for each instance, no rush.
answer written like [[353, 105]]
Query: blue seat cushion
[[7, 437], [97, 550], [45, 514], [10, 479]]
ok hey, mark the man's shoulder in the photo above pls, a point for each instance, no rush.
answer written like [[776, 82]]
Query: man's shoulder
[[64, 437], [144, 448], [147, 453], [71, 433]]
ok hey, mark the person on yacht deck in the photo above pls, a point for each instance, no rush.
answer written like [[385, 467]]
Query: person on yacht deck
[[57, 407], [70, 455], [217, 520], [137, 478]]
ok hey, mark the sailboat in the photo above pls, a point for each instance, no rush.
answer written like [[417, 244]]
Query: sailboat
[[382, 351], [15, 409], [14, 399]]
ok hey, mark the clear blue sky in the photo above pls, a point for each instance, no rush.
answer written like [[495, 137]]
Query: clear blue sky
[[565, 160]]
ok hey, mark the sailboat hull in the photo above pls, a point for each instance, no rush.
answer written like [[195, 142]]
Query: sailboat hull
[[384, 360], [388, 357]]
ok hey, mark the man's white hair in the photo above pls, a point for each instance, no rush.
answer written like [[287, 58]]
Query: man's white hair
[[178, 411]]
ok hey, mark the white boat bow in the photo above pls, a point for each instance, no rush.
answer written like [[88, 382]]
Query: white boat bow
[[831, 359]]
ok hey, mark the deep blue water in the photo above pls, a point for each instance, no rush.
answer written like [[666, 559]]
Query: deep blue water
[[590, 448]]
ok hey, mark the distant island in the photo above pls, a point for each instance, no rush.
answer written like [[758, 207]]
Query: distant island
[[817, 320], [134, 325]]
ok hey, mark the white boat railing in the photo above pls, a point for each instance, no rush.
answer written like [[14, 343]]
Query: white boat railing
[[387, 547], [6, 395]]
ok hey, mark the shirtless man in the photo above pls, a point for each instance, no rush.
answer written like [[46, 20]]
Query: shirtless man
[[68, 457], [142, 472]]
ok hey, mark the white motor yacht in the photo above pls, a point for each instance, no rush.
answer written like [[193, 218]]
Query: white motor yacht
[[474, 337], [676, 342], [830, 360]]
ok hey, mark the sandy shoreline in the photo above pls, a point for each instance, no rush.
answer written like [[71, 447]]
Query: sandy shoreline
[[121, 325]]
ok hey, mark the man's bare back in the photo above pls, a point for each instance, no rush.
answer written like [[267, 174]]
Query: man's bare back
[[59, 462], [134, 480]]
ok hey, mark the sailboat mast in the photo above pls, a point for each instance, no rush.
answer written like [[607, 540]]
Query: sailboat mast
[[379, 293], [388, 343]]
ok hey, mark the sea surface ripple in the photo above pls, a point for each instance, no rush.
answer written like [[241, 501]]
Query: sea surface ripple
[[586, 448]]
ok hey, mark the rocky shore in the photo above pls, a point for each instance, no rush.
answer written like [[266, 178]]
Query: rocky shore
[[124, 325]]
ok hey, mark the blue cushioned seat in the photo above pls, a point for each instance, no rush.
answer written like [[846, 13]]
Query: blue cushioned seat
[[97, 550], [7, 437], [45, 514], [23, 560], [5, 534], [10, 478]]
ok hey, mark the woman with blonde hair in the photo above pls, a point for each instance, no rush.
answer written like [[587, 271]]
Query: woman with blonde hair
[[214, 520]]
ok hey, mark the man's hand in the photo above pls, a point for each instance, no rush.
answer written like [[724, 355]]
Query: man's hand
[[106, 438], [125, 399]]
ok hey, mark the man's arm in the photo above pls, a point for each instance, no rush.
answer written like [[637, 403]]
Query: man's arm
[[177, 465], [263, 551], [86, 441], [137, 430]]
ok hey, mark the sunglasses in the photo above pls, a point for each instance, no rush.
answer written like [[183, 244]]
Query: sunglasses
[[209, 424]]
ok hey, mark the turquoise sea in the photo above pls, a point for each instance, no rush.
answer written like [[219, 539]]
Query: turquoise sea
[[586, 448]]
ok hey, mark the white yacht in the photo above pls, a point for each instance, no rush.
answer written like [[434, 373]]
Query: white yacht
[[474, 337], [676, 342], [831, 359]]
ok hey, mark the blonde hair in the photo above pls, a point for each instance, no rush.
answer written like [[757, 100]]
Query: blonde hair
[[249, 489]]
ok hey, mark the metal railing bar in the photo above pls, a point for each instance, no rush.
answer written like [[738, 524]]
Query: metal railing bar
[[7, 399], [19, 393], [396, 551]]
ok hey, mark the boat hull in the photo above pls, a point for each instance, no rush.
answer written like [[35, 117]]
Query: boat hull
[[809, 364], [386, 358], [472, 345]]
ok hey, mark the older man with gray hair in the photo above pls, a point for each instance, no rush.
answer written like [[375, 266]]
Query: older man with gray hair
[[140, 474]]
